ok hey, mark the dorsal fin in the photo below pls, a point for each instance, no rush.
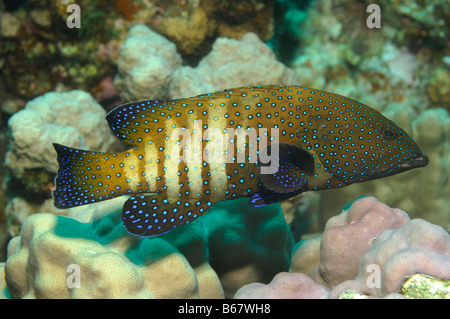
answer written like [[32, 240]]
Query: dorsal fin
[[131, 121]]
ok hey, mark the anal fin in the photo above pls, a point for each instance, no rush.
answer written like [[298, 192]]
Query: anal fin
[[153, 215], [268, 196]]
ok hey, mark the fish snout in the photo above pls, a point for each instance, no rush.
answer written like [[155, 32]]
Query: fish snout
[[418, 161]]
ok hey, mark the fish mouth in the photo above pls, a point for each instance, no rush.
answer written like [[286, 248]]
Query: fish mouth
[[418, 161]]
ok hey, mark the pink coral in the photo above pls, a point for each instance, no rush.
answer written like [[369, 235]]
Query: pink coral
[[377, 245], [416, 247], [349, 235], [285, 286]]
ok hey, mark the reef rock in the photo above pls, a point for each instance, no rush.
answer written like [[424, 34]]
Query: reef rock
[[421, 286]]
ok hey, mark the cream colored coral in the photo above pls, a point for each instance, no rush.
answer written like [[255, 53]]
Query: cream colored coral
[[71, 118], [284, 286], [38, 261], [146, 63], [232, 63], [346, 238], [209, 258], [150, 66]]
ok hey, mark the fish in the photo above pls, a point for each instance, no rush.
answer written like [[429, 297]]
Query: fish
[[267, 143]]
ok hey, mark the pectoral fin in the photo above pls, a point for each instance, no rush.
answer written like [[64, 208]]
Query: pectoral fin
[[292, 166]]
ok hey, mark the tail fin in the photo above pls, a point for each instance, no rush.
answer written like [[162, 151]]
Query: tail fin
[[84, 178]]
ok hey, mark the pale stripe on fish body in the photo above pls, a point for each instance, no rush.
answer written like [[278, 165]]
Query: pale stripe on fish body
[[325, 141]]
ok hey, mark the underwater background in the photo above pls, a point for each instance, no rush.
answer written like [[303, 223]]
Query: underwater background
[[58, 81]]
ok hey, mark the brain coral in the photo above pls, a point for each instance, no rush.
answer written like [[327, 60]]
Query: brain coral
[[71, 118], [230, 246]]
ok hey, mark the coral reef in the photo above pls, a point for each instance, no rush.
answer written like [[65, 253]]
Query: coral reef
[[401, 69], [349, 235], [70, 118], [146, 63], [40, 53], [284, 286], [378, 245], [192, 32], [438, 88], [251, 63], [128, 9], [194, 25], [150, 67], [234, 244], [237, 17], [418, 23], [232, 250], [416, 247]]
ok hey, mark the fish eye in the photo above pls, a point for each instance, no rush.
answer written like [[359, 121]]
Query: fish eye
[[388, 133]]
